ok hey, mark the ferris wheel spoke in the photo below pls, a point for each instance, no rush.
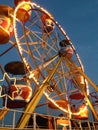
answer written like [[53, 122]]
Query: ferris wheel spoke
[[44, 65]]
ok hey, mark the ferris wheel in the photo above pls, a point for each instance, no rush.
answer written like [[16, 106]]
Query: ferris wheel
[[49, 64], [45, 50]]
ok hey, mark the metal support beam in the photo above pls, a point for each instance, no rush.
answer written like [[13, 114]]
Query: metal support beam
[[34, 101]]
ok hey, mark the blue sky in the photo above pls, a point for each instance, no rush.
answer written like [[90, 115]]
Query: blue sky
[[80, 20]]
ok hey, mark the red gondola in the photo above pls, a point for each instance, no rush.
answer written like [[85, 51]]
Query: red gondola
[[61, 103], [79, 78], [6, 28], [76, 96], [20, 95], [48, 24], [65, 48], [23, 13], [69, 51]]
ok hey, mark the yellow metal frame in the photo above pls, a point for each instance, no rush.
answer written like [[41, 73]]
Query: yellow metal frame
[[34, 101]]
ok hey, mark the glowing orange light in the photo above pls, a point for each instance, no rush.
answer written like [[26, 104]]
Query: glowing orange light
[[61, 103], [63, 122], [83, 112]]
